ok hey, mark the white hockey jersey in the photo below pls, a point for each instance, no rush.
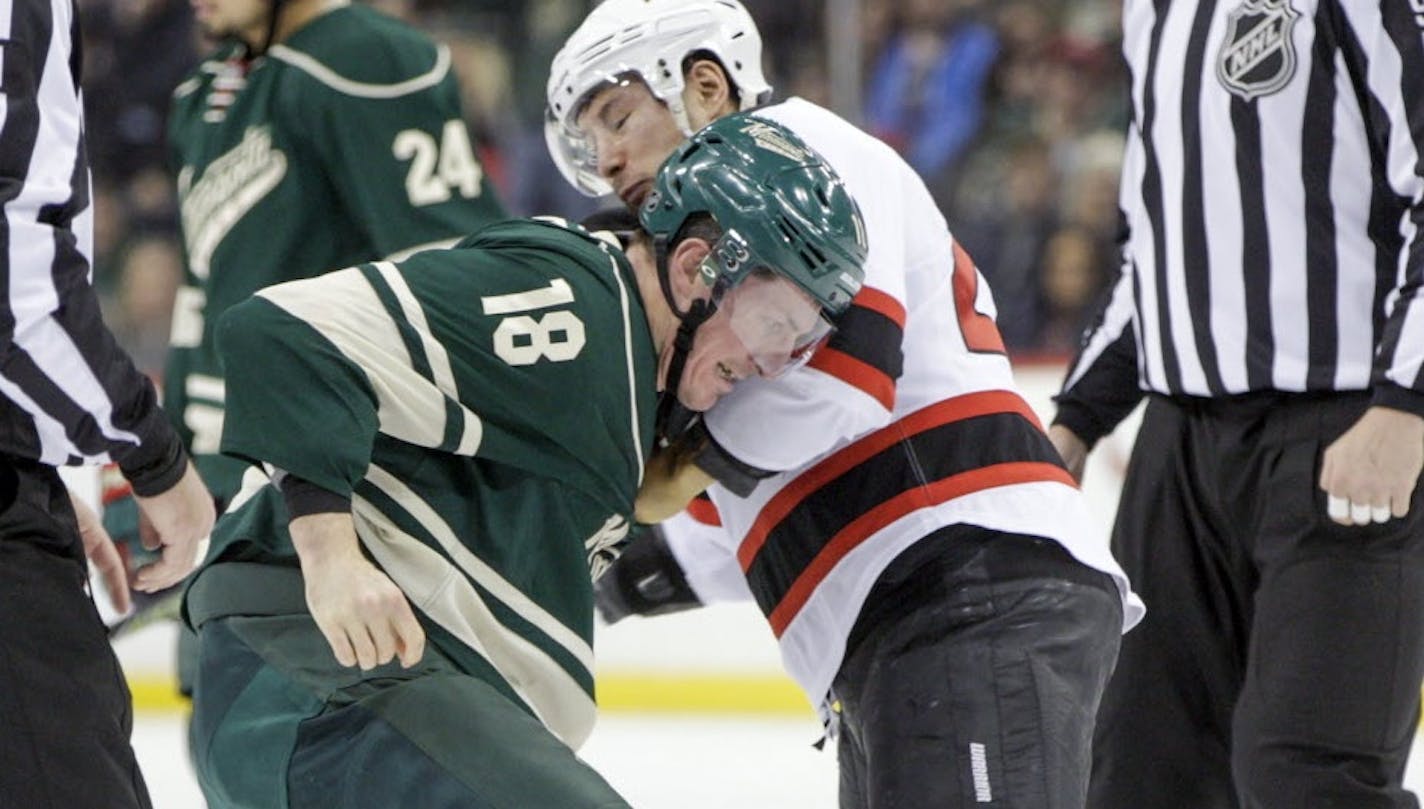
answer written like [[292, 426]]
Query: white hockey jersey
[[908, 420]]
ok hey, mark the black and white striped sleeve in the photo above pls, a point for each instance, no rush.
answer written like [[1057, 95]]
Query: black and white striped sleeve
[[1101, 387], [1390, 39], [70, 393]]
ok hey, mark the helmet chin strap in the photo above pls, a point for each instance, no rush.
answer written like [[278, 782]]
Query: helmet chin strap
[[673, 417], [271, 29]]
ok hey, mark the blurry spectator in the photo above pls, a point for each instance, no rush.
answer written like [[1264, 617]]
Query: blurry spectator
[[1073, 274], [135, 51], [792, 35], [1090, 187], [152, 204], [1004, 222], [1070, 101], [926, 91], [482, 65], [110, 226], [536, 187], [149, 274], [1026, 29]]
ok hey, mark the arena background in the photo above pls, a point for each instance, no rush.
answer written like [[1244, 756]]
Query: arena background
[[1012, 111]]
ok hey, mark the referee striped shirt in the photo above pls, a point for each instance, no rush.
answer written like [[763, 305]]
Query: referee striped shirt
[[1273, 194], [68, 393]]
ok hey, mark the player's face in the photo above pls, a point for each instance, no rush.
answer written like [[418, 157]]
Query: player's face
[[763, 327], [716, 362], [222, 18], [631, 133]]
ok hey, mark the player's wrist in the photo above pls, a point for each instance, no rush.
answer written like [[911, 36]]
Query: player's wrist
[[324, 541]]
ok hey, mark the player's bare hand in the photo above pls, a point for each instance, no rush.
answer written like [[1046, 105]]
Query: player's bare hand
[[175, 523], [1072, 448], [1370, 472], [364, 616], [670, 481], [103, 554]]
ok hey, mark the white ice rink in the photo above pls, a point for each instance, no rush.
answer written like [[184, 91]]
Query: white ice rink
[[657, 762], [693, 761]]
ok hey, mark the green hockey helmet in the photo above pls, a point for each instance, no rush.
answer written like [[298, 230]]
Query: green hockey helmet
[[782, 210]]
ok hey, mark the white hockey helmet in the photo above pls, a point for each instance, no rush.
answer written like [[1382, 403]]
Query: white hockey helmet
[[649, 38]]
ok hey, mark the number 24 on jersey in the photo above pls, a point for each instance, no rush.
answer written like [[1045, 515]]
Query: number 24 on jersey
[[437, 168]]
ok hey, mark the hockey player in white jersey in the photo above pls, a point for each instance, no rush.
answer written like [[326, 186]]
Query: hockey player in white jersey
[[921, 553]]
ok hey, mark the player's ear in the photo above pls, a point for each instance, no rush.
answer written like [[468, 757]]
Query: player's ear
[[707, 93], [685, 272]]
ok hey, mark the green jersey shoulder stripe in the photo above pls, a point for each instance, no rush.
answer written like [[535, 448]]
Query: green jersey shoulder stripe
[[410, 406], [407, 252], [423, 349], [436, 356], [308, 64]]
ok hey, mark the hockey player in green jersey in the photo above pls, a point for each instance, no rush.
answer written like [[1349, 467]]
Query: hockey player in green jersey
[[318, 135], [398, 610]]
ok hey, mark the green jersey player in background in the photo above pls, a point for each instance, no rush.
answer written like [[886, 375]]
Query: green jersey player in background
[[318, 135], [398, 610]]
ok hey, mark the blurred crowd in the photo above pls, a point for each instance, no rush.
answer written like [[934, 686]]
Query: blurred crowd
[[1012, 111]]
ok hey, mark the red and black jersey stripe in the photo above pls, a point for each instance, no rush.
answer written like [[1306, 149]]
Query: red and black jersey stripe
[[704, 511], [866, 349], [955, 447]]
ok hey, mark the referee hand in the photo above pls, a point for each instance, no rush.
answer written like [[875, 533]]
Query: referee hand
[[175, 523], [1370, 472], [103, 554]]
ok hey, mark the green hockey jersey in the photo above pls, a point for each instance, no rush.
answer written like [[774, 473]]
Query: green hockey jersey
[[344, 144], [489, 408]]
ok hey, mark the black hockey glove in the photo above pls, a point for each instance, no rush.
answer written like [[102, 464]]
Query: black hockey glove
[[645, 580]]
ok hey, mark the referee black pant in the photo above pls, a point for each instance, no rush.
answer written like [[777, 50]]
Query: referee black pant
[[1280, 661], [65, 712]]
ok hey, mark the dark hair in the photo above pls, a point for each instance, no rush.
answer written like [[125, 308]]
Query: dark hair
[[615, 219], [698, 226]]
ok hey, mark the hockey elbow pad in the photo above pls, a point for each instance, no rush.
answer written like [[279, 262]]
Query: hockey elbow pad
[[645, 580]]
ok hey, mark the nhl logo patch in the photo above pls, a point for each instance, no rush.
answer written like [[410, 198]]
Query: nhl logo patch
[[1257, 56]]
